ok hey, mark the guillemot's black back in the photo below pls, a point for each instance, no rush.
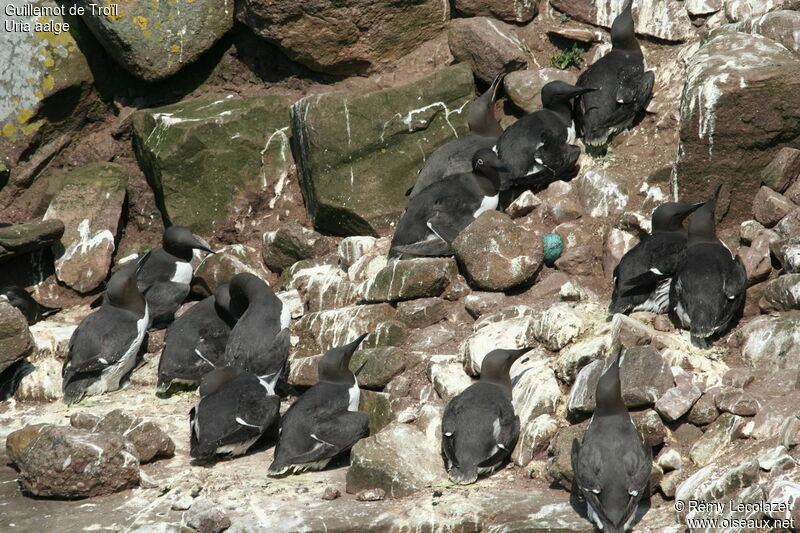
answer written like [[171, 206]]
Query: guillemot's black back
[[623, 88], [103, 348], [612, 467], [479, 426], [643, 276], [22, 300], [325, 420], [709, 288], [538, 148], [433, 218], [195, 343], [235, 409]]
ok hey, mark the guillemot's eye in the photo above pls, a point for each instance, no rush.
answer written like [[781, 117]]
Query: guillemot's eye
[[480, 162]]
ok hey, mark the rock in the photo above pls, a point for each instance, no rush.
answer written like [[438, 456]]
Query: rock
[[749, 230], [69, 463], [508, 10], [206, 516], [448, 377], [41, 382], [535, 393], [478, 304], [152, 41], [738, 377], [323, 330], [581, 395], [496, 254], [576, 356], [331, 493], [781, 294], [380, 365], [421, 313], [371, 495], [703, 412], [784, 169], [489, 46], [510, 334], [534, 437], [47, 86], [378, 406], [355, 184], [351, 249], [677, 401], [703, 7], [350, 38], [769, 207], [230, 260], [292, 243], [523, 204], [736, 10], [778, 26], [382, 461], [203, 156], [524, 87], [89, 204], [23, 238], [719, 434], [601, 193], [581, 35], [663, 19], [366, 267], [669, 459], [15, 338], [756, 258], [559, 203], [149, 440], [410, 279], [771, 343], [562, 323], [736, 402], [733, 71]]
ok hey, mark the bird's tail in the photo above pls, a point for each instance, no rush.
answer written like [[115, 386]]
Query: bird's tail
[[463, 475]]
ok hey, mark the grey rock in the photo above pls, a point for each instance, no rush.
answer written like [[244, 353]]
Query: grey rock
[[409, 279], [602, 193], [206, 516], [488, 45], [704, 411], [677, 401], [292, 243], [524, 87], [219, 268], [717, 436], [149, 440], [15, 338], [421, 313]]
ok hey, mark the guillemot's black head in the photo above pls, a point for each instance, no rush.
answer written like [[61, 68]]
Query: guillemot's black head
[[180, 242], [334, 365], [623, 33], [496, 367], [670, 216], [122, 290], [481, 115], [702, 225], [245, 289], [557, 96], [608, 394], [486, 163], [222, 298], [212, 381]]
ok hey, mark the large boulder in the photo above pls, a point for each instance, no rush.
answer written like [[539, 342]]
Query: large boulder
[[737, 111], [524, 87], [496, 254], [230, 260], [663, 19], [359, 154], [772, 342], [46, 86], [66, 462], [201, 155], [153, 40], [149, 440], [15, 338], [736, 10], [24, 238], [319, 332], [508, 10], [292, 243], [410, 279], [89, 204], [345, 37], [399, 459], [489, 46]]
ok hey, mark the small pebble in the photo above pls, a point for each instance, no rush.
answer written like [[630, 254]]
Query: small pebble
[[371, 495], [331, 493]]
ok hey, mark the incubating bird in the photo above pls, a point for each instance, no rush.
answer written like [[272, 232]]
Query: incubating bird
[[102, 350], [643, 276], [22, 300], [433, 218], [325, 420], [259, 342], [455, 157], [622, 87], [166, 276], [235, 409], [195, 343], [538, 147], [479, 426], [709, 287], [613, 465]]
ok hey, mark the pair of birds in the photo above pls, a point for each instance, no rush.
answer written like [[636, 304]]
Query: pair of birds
[[487, 169], [611, 468], [143, 293], [236, 409], [243, 325], [692, 273]]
